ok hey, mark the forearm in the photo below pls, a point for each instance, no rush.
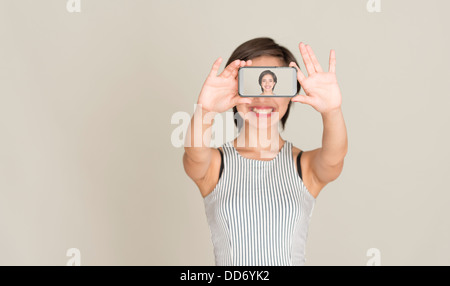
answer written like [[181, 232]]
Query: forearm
[[198, 135], [334, 138]]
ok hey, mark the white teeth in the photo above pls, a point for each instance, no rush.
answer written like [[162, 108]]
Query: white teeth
[[264, 111]]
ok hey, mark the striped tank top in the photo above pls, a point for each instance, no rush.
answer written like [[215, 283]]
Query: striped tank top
[[259, 211]]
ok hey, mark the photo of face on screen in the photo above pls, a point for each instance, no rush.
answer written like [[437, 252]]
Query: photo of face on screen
[[267, 81]]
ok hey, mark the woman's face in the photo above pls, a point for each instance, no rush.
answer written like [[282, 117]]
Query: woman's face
[[263, 112], [267, 83]]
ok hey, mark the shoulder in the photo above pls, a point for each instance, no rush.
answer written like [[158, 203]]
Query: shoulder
[[306, 155], [310, 179], [295, 151]]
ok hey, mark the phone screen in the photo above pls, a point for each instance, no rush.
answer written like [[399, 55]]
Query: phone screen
[[267, 81]]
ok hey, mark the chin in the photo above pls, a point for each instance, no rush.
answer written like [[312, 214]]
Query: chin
[[263, 124]]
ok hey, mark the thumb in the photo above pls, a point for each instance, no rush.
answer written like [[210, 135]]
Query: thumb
[[302, 98], [241, 100]]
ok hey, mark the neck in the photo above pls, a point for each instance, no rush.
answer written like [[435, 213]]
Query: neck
[[264, 140]]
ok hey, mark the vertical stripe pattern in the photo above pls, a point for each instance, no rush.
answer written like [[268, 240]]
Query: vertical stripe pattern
[[259, 211]]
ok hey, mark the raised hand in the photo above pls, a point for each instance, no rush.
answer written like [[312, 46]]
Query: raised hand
[[219, 92], [321, 88]]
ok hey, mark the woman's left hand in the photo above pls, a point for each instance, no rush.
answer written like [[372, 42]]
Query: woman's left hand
[[321, 88]]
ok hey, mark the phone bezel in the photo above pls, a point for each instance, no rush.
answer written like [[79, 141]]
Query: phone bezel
[[268, 67]]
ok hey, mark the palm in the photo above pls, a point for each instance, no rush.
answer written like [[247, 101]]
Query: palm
[[219, 92], [321, 88]]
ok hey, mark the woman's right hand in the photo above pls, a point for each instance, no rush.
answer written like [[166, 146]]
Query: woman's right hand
[[219, 92]]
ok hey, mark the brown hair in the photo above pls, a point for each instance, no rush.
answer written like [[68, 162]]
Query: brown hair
[[254, 48]]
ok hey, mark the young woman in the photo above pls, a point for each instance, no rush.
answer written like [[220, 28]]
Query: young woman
[[267, 81], [258, 207]]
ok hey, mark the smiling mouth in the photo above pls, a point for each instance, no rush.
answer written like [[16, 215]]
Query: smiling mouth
[[261, 110]]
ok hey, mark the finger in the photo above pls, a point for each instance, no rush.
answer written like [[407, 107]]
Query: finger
[[300, 75], [314, 59], [332, 67], [215, 67], [234, 73], [302, 99], [306, 59], [247, 63], [229, 69], [241, 100]]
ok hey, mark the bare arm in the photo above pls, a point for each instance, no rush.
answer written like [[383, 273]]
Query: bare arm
[[329, 161], [197, 153], [218, 94], [324, 95]]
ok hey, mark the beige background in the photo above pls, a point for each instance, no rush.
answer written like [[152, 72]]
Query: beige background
[[86, 101]]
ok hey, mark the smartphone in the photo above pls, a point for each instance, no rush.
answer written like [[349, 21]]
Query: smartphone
[[267, 81]]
